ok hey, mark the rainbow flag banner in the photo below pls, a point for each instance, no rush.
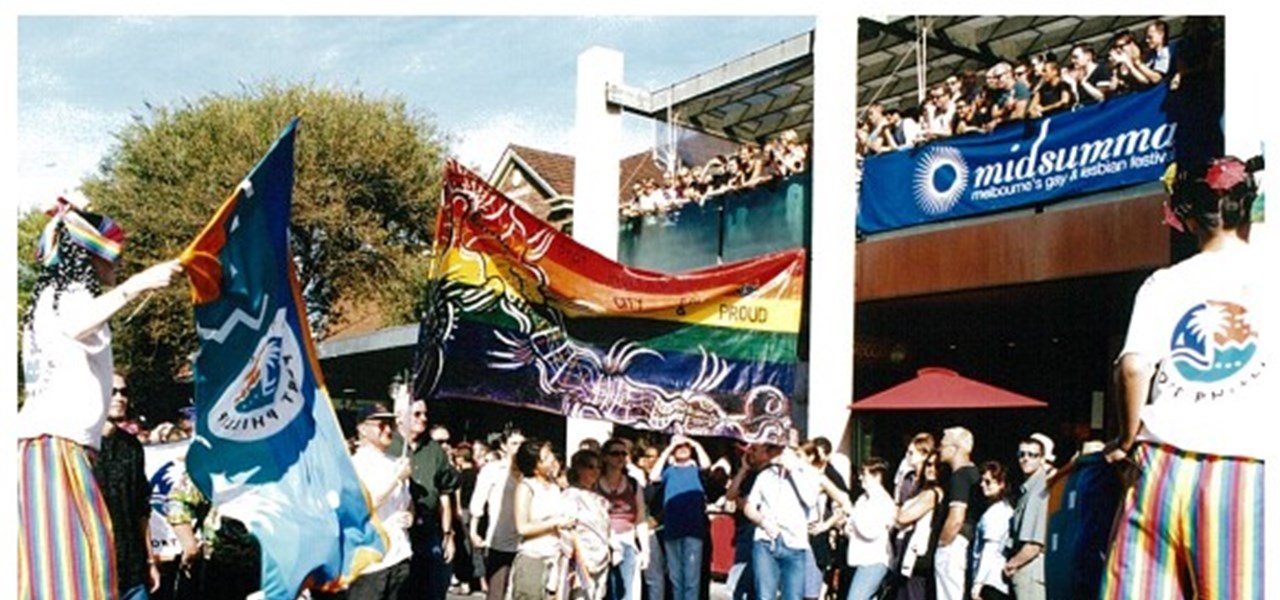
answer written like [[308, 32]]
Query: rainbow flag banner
[[521, 314], [268, 450]]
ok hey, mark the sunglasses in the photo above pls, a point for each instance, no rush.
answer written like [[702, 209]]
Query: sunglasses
[[1025, 454], [119, 390]]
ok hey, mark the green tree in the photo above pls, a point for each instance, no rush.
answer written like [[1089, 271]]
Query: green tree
[[368, 179], [30, 224]]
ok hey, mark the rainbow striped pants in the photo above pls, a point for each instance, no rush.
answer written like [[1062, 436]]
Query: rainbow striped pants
[[1190, 527], [64, 533]]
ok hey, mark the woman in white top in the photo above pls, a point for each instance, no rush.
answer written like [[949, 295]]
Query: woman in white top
[[539, 518], [868, 528], [991, 536], [68, 366]]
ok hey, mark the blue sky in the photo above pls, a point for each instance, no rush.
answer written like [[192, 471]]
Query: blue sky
[[487, 81]]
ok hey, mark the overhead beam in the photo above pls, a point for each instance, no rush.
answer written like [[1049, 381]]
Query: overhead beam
[[896, 29]]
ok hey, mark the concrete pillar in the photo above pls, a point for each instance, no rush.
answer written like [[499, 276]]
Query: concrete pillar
[[597, 138], [1246, 107], [1249, 121], [831, 271]]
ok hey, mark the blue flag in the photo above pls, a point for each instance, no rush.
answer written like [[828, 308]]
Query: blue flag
[[268, 449]]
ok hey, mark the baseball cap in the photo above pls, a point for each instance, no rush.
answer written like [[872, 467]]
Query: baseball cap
[[377, 410]]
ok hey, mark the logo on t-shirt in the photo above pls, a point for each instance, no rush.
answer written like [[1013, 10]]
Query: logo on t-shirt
[[1213, 341]]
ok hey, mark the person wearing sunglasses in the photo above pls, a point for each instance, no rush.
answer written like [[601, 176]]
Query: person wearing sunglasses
[[1025, 567], [387, 480]]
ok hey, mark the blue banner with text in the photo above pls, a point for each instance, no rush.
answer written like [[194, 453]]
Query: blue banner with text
[[1124, 141]]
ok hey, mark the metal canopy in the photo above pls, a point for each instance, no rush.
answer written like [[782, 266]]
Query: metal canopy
[[887, 61], [748, 99]]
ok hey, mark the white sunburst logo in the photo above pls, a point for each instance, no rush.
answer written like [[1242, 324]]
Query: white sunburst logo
[[941, 177]]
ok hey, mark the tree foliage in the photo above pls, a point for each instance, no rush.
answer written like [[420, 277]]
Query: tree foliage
[[367, 183]]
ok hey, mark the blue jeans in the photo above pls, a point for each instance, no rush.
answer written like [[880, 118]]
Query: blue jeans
[[623, 582], [654, 576], [741, 580], [778, 569], [684, 566], [137, 592], [866, 580]]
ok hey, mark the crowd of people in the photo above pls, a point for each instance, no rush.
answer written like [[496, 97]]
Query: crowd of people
[[752, 165], [1039, 85], [630, 519]]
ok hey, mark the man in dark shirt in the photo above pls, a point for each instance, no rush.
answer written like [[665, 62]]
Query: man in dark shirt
[[433, 482], [1053, 94], [1092, 79], [963, 504], [121, 474]]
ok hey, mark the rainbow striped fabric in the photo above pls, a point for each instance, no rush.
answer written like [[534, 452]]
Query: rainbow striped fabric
[[64, 531], [520, 313], [1190, 527], [105, 240]]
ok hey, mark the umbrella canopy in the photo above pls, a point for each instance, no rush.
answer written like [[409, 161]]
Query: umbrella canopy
[[935, 388]]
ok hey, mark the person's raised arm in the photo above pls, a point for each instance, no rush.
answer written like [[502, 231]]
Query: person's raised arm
[[704, 459], [85, 322], [660, 464]]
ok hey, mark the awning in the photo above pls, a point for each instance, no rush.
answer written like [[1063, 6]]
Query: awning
[[935, 388]]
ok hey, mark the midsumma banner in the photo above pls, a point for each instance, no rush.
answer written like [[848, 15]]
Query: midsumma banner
[[1123, 141]]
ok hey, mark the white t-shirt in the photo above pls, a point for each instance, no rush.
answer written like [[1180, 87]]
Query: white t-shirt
[[869, 539], [494, 492], [68, 380], [993, 530], [787, 505], [1203, 324], [376, 471]]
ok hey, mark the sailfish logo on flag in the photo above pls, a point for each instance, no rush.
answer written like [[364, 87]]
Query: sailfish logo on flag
[[268, 450]]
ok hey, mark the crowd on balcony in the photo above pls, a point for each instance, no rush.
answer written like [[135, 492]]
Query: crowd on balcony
[[1042, 84], [752, 165]]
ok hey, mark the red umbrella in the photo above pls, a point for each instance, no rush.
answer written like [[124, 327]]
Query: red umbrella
[[935, 388]]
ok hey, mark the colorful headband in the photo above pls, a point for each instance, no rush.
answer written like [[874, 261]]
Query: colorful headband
[[105, 240]]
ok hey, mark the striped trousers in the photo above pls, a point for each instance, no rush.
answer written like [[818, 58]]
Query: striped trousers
[[65, 549], [1190, 527]]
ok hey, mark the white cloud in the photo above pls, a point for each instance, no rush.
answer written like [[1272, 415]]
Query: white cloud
[[37, 80], [482, 144], [58, 145]]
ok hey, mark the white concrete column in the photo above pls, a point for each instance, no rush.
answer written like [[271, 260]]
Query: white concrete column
[[1248, 122], [597, 139], [831, 271], [1247, 116]]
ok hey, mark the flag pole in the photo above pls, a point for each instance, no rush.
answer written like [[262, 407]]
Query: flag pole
[[399, 391]]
